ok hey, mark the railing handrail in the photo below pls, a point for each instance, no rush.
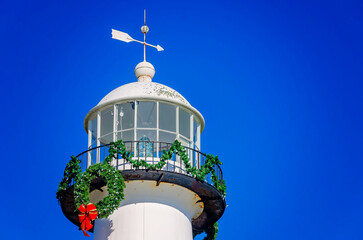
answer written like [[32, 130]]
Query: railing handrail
[[157, 142]]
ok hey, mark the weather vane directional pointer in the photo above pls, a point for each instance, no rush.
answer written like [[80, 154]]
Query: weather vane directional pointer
[[127, 38]]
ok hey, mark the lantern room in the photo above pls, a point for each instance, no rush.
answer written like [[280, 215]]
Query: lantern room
[[143, 111]]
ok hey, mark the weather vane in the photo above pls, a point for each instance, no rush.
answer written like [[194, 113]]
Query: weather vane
[[127, 38]]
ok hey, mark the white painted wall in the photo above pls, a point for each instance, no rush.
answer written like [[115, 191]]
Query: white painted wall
[[150, 212]]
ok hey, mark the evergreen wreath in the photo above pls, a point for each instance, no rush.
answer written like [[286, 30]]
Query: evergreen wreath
[[116, 184]]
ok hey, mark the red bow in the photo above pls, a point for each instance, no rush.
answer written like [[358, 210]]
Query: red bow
[[87, 215]]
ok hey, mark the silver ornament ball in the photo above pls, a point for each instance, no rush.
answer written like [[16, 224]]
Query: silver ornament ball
[[144, 29]]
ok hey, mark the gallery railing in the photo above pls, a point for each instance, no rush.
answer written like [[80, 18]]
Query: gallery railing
[[151, 152]]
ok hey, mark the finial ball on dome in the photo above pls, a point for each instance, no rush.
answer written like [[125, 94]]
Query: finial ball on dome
[[144, 72]]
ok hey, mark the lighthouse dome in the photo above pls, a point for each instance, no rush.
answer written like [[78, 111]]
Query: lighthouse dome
[[144, 90]]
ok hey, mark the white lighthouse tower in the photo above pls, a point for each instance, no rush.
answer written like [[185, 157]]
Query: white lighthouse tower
[[159, 204]]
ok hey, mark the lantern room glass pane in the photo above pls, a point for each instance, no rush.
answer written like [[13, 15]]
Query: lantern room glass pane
[[94, 129], [145, 149], [167, 117], [126, 135], [167, 137], [184, 123], [107, 122], [185, 142], [146, 135], [105, 139], [146, 115], [195, 132], [126, 114]]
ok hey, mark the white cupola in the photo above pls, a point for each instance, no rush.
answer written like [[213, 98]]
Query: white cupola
[[144, 110]]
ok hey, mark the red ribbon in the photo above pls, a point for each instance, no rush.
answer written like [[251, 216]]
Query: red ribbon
[[88, 214]]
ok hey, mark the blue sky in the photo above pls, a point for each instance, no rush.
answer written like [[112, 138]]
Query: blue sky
[[279, 84]]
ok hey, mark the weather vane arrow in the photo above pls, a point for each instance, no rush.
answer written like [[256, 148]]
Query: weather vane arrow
[[127, 38]]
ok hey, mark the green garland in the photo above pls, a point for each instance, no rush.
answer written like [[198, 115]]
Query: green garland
[[72, 173], [115, 182], [115, 186], [210, 162]]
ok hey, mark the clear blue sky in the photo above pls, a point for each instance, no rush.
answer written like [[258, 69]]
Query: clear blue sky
[[278, 82]]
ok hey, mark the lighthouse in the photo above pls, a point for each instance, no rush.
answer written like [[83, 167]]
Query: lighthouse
[[144, 155]]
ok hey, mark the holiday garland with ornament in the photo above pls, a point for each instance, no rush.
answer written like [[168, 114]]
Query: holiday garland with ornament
[[115, 183]]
